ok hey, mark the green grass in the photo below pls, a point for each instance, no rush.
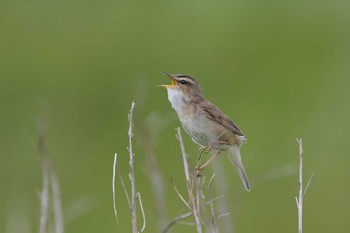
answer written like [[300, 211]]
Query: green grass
[[279, 69]]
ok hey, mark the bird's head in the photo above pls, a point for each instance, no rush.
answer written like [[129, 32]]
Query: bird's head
[[182, 83]]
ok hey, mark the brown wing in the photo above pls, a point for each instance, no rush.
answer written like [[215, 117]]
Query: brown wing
[[217, 115]]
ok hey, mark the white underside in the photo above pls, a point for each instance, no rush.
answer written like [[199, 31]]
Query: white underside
[[194, 124]]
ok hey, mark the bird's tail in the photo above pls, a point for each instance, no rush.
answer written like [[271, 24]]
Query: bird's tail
[[234, 155]]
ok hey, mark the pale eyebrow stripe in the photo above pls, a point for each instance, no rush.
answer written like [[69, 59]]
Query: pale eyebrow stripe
[[185, 76]]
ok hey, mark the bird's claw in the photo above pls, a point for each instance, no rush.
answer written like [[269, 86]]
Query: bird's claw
[[206, 149], [203, 149], [197, 171]]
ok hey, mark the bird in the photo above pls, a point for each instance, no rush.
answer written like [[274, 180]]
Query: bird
[[205, 123]]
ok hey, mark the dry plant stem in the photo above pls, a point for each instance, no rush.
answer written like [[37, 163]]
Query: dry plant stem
[[138, 195], [299, 199], [124, 187], [131, 174], [214, 225], [194, 210], [223, 215], [57, 205], [198, 195], [150, 133], [113, 187], [179, 194], [176, 220], [157, 184], [308, 184], [50, 180], [220, 186], [44, 199]]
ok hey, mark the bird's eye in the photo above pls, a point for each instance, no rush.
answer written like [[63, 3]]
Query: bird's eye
[[182, 81]]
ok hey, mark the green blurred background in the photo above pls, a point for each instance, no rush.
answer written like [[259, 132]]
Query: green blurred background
[[280, 69]]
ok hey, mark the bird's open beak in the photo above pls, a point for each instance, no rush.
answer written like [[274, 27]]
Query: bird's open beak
[[173, 81]]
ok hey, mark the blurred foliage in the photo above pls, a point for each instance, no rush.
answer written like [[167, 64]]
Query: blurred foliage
[[280, 69]]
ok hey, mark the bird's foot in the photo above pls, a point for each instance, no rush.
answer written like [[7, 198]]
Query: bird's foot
[[202, 149], [209, 147], [197, 171], [206, 149]]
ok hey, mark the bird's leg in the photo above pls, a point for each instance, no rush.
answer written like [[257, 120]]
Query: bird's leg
[[212, 144], [204, 149], [198, 169], [207, 149], [199, 158]]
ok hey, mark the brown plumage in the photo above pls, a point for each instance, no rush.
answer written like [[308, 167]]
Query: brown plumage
[[207, 125]]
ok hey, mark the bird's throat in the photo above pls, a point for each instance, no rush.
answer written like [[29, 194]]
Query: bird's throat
[[178, 99]]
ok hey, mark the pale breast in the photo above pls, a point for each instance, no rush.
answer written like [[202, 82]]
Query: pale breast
[[195, 128], [202, 130], [205, 131]]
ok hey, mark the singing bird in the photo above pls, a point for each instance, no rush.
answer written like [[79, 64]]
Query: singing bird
[[207, 125]]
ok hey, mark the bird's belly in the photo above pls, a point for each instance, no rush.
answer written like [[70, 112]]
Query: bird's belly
[[202, 130], [197, 135], [205, 132], [198, 131]]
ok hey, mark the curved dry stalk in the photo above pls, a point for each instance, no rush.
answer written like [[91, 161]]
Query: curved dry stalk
[[176, 220], [223, 215], [113, 187], [178, 193], [138, 195], [124, 187]]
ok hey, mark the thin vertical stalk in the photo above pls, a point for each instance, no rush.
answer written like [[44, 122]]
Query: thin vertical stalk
[[300, 198], [131, 174], [194, 210]]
